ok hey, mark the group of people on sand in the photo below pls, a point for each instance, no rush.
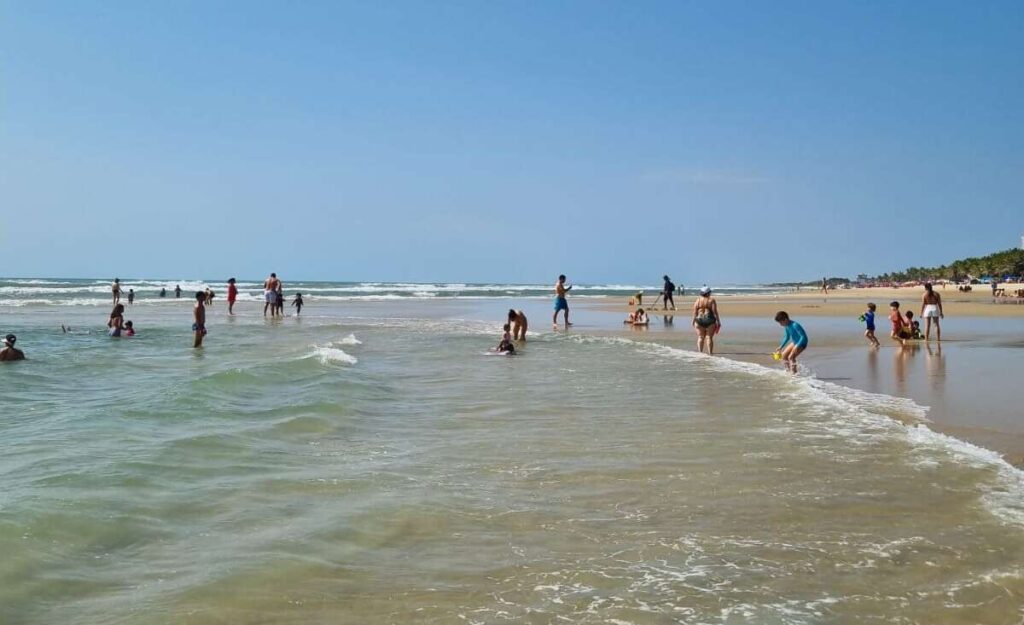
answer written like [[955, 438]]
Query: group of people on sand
[[904, 326]]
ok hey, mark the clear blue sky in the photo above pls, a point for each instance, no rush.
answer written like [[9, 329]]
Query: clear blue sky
[[486, 141]]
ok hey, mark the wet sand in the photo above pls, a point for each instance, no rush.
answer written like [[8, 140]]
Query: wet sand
[[969, 382]]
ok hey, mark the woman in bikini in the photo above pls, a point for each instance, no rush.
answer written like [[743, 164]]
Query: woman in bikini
[[706, 320], [116, 321]]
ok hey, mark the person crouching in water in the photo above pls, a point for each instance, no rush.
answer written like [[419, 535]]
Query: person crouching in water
[[10, 353], [298, 304], [506, 341], [794, 341], [518, 320]]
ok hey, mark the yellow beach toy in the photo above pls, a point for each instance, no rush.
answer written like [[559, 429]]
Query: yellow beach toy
[[776, 356]]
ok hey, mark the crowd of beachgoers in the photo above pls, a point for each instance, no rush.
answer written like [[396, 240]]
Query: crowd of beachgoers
[[706, 317]]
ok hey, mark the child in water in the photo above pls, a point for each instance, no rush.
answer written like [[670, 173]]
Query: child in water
[[129, 329], [897, 323], [297, 303], [506, 341], [794, 341], [869, 320], [912, 329]]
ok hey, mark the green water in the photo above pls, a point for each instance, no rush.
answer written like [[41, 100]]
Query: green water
[[374, 465]]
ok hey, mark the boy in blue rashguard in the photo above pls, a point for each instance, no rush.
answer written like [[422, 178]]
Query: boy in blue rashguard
[[794, 342], [869, 321]]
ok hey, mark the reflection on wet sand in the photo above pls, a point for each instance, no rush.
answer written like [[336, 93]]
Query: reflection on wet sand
[[903, 356], [936, 367]]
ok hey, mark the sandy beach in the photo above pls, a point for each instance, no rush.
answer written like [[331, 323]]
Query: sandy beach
[[968, 382], [844, 302]]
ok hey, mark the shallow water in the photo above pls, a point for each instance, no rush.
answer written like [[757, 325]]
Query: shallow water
[[373, 464]]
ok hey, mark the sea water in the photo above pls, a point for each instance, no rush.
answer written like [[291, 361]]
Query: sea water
[[372, 462]]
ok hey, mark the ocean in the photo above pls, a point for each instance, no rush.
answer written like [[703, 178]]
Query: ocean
[[373, 462], [61, 292]]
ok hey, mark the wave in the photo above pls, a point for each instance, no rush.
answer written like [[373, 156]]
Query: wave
[[865, 412], [349, 340], [329, 355]]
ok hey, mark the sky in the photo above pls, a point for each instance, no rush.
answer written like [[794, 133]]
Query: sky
[[718, 142]]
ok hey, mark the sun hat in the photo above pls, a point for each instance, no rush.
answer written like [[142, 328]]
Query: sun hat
[[706, 290]]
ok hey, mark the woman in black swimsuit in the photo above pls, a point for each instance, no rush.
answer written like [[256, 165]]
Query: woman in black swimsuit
[[706, 320]]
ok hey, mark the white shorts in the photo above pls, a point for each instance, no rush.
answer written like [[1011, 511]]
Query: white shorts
[[270, 296], [931, 310]]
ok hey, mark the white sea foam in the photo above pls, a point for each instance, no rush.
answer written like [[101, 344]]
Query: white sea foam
[[328, 355], [349, 340]]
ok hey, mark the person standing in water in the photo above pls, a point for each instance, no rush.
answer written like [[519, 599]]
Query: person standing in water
[[199, 319], [163, 292], [270, 286], [177, 290], [116, 321], [232, 295], [561, 303], [931, 309], [518, 320], [794, 341], [10, 353], [666, 294], [298, 304], [131, 297], [706, 320], [115, 288]]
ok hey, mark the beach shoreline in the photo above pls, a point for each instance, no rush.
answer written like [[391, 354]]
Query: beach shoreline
[[981, 335]]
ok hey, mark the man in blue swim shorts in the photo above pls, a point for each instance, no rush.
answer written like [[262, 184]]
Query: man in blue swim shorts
[[794, 342], [560, 302]]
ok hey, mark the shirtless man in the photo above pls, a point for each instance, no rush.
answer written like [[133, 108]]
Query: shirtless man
[[199, 319], [270, 286], [10, 353], [116, 290], [518, 321], [560, 302], [931, 309]]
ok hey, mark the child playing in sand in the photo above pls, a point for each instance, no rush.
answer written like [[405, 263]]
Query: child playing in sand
[[869, 320], [506, 340], [794, 341], [897, 323], [639, 318], [911, 328]]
